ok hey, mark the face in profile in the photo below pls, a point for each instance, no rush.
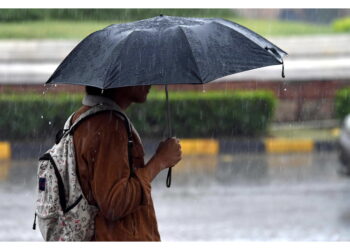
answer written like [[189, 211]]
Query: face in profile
[[138, 94]]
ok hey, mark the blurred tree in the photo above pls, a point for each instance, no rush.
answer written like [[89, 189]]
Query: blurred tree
[[342, 24]]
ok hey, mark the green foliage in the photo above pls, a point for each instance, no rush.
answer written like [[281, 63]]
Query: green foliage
[[15, 15], [209, 114], [342, 103], [34, 116], [193, 114], [342, 24]]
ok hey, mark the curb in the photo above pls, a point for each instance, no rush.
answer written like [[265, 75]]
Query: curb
[[199, 146], [5, 150], [30, 150], [281, 145]]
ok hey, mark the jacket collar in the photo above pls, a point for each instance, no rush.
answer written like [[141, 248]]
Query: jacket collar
[[92, 100]]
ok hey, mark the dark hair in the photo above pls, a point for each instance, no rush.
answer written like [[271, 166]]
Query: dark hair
[[97, 91]]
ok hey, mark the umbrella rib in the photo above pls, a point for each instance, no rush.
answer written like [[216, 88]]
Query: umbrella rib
[[245, 31], [111, 56], [264, 44], [194, 59]]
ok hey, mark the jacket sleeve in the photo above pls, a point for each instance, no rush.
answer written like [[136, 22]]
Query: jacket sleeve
[[115, 192]]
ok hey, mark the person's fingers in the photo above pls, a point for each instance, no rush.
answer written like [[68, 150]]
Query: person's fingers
[[175, 139]]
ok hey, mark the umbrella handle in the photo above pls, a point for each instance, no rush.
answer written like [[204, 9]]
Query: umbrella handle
[[168, 178]]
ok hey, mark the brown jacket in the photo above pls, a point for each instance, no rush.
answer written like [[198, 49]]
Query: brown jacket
[[126, 211]]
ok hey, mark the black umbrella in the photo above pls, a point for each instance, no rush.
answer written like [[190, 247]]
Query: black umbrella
[[165, 50]]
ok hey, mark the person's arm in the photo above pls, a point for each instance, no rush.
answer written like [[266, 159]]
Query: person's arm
[[116, 193]]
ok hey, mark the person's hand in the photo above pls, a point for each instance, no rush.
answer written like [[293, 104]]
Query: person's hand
[[169, 152]]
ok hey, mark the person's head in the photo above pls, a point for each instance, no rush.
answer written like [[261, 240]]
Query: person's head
[[137, 94]]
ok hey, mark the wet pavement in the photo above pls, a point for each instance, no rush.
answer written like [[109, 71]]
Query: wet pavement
[[244, 197]]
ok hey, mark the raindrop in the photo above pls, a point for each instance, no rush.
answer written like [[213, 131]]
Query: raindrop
[[55, 85], [50, 123], [102, 90], [203, 89], [42, 117], [285, 89]]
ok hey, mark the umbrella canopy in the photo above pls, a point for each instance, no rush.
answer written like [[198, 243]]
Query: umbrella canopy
[[165, 50]]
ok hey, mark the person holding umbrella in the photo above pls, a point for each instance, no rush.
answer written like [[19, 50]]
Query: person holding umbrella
[[117, 65]]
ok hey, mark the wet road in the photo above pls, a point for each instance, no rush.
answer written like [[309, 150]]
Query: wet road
[[295, 197]]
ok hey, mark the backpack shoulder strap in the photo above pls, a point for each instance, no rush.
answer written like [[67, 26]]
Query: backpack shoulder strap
[[63, 131], [92, 111], [117, 111]]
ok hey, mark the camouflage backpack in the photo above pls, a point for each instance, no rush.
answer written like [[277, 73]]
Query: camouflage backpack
[[63, 212]]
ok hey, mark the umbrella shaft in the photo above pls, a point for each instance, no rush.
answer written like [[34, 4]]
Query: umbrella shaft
[[168, 112], [168, 178]]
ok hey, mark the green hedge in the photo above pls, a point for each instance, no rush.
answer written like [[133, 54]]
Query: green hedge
[[342, 24], [193, 114], [342, 103], [34, 116], [15, 15]]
